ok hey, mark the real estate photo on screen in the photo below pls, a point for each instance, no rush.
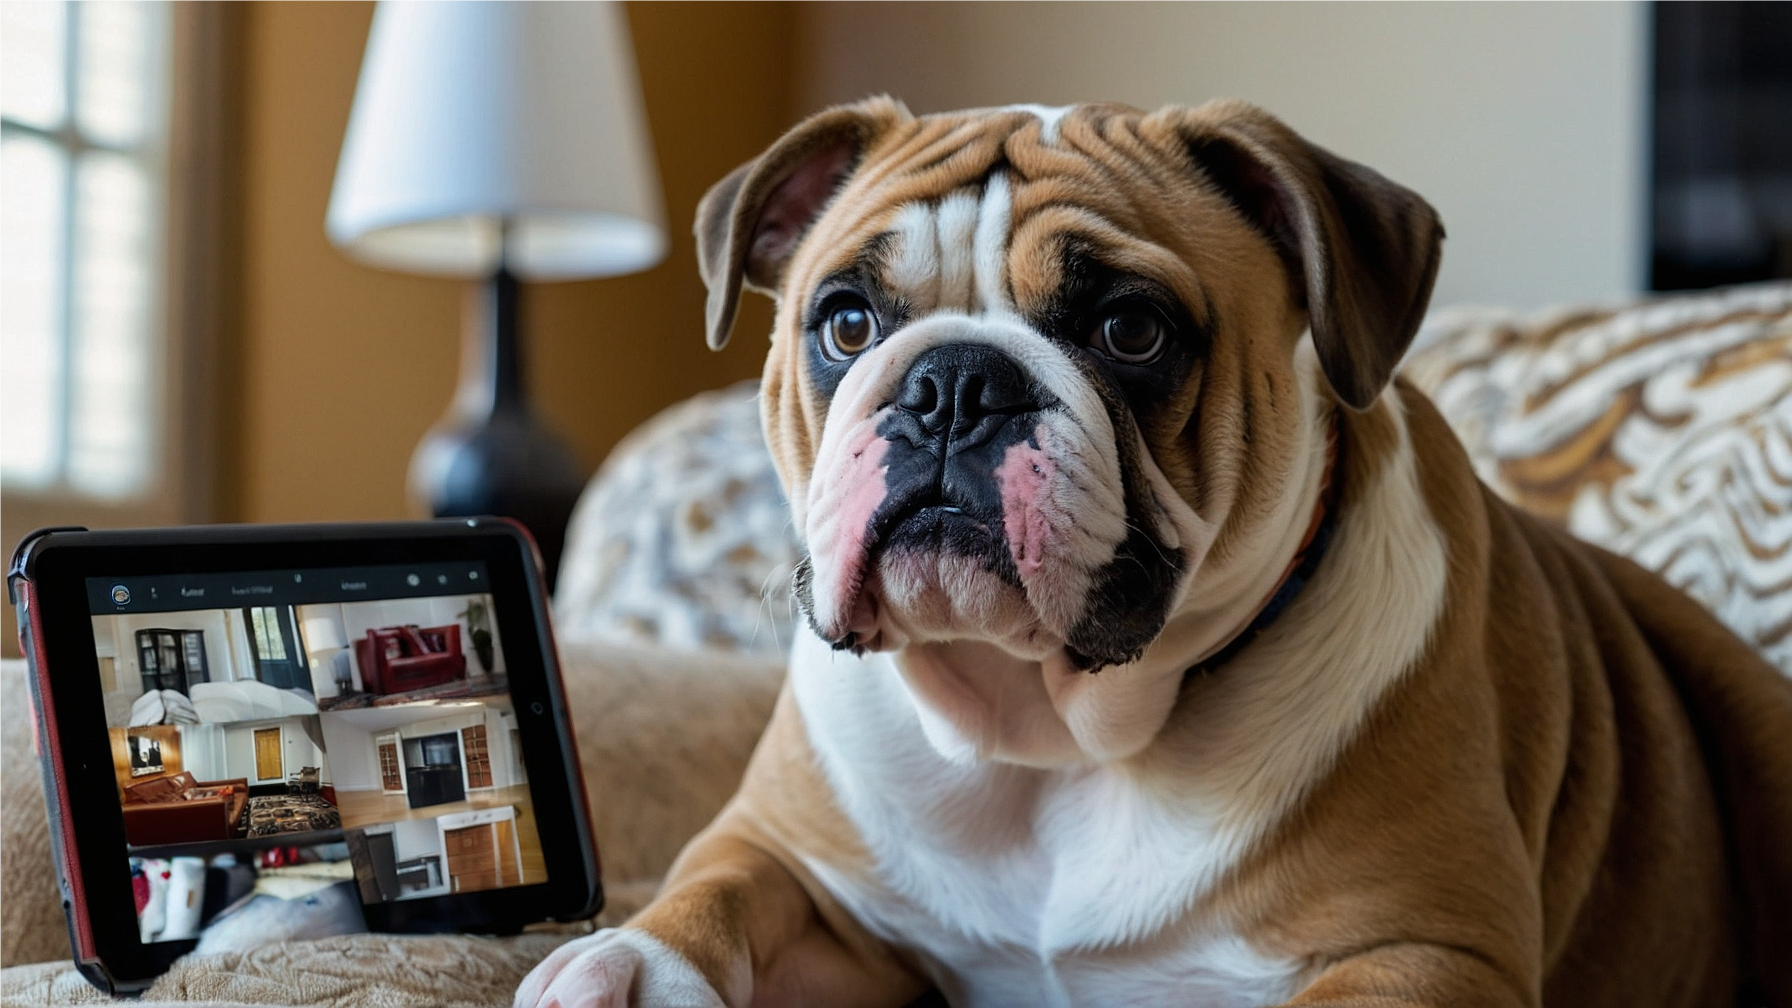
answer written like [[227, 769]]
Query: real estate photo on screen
[[342, 735]]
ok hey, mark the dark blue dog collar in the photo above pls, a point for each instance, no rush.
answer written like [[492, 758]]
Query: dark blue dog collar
[[1300, 572]]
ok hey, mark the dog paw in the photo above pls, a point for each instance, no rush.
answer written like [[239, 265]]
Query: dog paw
[[616, 968]]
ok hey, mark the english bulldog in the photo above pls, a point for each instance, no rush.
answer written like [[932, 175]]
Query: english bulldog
[[1163, 649]]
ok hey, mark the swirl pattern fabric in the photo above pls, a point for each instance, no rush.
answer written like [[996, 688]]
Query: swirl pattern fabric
[[683, 539], [1661, 431]]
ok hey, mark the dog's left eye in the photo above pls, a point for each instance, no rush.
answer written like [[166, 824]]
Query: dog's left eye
[[1130, 335]]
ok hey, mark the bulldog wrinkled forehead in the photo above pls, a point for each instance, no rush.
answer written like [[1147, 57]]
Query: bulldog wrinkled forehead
[[949, 253]]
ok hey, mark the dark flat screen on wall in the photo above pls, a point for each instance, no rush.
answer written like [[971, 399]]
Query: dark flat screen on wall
[[1722, 144]]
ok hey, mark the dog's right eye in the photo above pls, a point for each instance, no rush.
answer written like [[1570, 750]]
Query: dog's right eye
[[848, 330], [1131, 335]]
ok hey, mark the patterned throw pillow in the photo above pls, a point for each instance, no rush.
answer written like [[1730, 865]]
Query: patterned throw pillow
[[1662, 431], [682, 539]]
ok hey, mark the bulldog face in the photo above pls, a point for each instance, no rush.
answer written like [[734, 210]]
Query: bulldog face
[[1043, 378]]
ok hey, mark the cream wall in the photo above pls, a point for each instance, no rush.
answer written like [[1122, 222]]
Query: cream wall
[[1522, 123], [415, 838], [353, 759]]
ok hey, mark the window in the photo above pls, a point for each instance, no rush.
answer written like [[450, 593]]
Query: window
[[115, 278], [268, 643], [274, 646], [84, 106]]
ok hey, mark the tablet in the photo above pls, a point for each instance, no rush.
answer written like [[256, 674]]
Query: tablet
[[370, 712]]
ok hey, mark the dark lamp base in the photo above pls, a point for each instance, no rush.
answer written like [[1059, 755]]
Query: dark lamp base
[[492, 455], [507, 465]]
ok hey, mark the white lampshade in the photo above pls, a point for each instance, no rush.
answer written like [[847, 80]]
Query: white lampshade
[[472, 114]]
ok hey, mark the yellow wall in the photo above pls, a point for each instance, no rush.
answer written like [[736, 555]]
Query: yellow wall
[[343, 367]]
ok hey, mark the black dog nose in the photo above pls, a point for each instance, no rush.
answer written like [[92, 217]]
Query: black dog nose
[[951, 387]]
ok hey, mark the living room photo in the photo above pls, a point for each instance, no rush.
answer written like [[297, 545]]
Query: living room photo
[[457, 852], [402, 650], [265, 780], [416, 760]]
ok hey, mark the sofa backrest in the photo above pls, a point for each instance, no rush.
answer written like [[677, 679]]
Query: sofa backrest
[[160, 789], [386, 642]]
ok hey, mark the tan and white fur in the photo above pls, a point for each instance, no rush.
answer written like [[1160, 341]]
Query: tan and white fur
[[1471, 762]]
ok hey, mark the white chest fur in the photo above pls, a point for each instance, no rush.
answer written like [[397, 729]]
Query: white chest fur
[[1083, 886], [1022, 886]]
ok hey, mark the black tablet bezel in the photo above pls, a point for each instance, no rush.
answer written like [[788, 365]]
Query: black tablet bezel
[[57, 564]]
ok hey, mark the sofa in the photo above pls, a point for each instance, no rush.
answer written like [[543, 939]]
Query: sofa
[[180, 809], [1661, 429], [399, 659]]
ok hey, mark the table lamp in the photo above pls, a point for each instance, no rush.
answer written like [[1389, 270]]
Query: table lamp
[[323, 637], [501, 142]]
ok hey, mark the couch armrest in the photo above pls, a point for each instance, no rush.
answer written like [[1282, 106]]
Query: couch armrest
[[179, 821]]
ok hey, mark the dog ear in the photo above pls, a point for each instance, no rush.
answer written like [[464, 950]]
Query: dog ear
[[1363, 250], [750, 223]]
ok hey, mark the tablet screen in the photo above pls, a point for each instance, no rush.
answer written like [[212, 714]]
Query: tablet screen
[[280, 733]]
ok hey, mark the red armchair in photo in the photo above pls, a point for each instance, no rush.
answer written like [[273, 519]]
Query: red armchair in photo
[[400, 659], [180, 809]]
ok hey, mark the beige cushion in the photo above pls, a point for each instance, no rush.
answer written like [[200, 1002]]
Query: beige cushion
[[1662, 431], [352, 970]]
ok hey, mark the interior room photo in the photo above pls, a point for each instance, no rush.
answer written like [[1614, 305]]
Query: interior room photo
[[435, 797], [402, 650], [1355, 439], [423, 760], [489, 848], [182, 897], [202, 665], [192, 783]]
